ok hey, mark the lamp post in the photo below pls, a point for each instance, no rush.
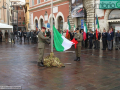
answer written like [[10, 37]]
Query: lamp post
[[7, 10]]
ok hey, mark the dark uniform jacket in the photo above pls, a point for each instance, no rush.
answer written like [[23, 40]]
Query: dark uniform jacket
[[99, 36], [109, 36], [90, 36], [104, 36]]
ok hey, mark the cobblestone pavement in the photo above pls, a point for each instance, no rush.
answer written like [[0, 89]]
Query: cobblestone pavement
[[97, 70]]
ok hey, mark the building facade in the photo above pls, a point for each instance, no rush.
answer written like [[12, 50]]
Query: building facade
[[4, 12], [27, 15], [18, 16], [40, 13]]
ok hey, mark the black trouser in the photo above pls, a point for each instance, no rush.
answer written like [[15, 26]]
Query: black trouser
[[1, 39], [20, 39], [13, 40], [97, 44], [24, 38], [32, 39], [28, 39], [90, 44], [104, 43], [86, 43], [83, 43]]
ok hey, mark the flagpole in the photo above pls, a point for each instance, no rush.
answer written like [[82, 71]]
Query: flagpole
[[94, 14], [52, 26]]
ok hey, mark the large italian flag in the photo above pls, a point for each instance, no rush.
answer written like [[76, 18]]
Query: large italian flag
[[60, 42], [85, 31]]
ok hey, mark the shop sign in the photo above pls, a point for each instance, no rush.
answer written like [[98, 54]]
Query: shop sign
[[48, 25], [109, 4]]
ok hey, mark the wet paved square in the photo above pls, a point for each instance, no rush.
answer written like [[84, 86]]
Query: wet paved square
[[97, 70]]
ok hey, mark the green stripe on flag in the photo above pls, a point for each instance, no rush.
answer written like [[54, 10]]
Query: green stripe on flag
[[58, 40]]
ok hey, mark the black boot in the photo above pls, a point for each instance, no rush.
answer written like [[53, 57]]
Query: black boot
[[76, 59], [40, 64]]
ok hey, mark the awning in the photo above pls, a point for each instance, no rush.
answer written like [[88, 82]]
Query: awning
[[116, 20], [4, 26]]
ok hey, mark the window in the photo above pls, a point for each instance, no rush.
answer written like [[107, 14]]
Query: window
[[19, 17], [0, 13], [115, 14], [38, 1], [19, 12], [32, 2], [19, 23]]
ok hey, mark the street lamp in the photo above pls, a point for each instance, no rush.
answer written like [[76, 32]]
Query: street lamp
[[7, 10]]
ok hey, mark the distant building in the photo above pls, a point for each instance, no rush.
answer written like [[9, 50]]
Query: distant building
[[27, 25], [4, 11], [40, 13], [18, 15]]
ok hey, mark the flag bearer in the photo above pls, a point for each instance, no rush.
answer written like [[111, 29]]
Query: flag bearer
[[41, 45], [79, 38]]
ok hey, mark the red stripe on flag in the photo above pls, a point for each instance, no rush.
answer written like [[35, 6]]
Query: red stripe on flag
[[84, 36], [96, 34], [67, 33]]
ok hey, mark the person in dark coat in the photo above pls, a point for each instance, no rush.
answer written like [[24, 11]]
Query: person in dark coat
[[20, 35], [109, 39], [32, 36], [97, 40], [90, 36], [86, 41], [28, 36], [6, 36], [48, 33], [24, 35], [35, 37], [104, 39], [117, 37], [72, 35], [1, 36], [12, 36]]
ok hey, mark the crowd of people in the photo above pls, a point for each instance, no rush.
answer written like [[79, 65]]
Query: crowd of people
[[29, 36], [107, 38], [91, 41]]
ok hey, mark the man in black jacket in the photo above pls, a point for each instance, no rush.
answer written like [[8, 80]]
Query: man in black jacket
[[24, 34], [104, 39], [90, 36], [20, 35], [1, 36], [97, 40]]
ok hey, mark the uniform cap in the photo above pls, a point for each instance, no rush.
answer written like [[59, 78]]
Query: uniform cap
[[43, 28], [76, 29]]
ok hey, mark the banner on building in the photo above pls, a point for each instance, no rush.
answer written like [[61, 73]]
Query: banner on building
[[82, 23], [109, 4], [77, 8], [48, 25]]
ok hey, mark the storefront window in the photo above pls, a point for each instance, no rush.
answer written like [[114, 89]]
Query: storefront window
[[115, 14]]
